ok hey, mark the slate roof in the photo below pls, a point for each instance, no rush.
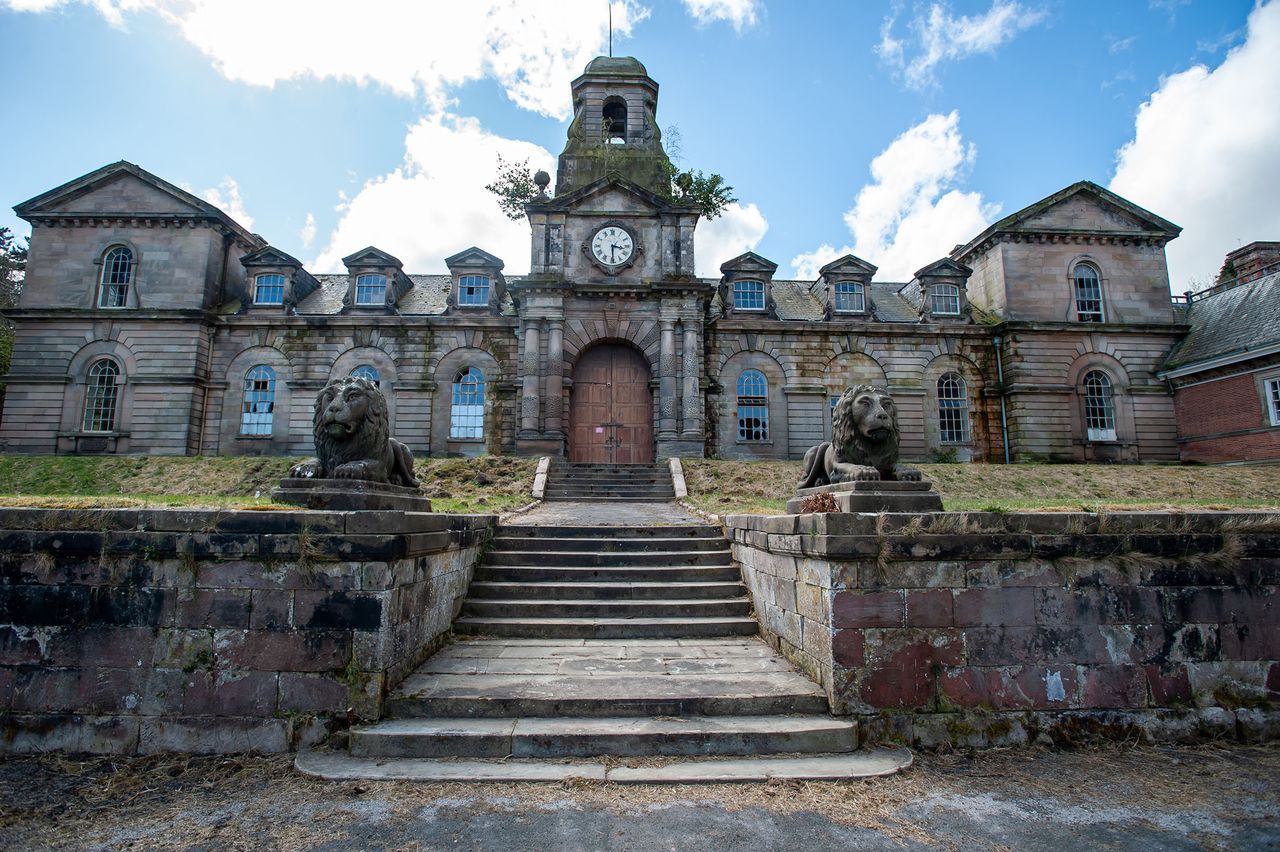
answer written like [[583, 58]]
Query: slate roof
[[891, 304], [429, 296], [1234, 321], [795, 301]]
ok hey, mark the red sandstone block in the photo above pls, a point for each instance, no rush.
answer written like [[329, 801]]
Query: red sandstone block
[[909, 648], [889, 687], [929, 608], [109, 647], [1168, 686], [270, 609], [1013, 573], [226, 693], [1083, 644], [68, 690], [7, 677], [1068, 606], [283, 650], [1000, 646], [1273, 680], [994, 607], [1113, 687], [310, 693], [19, 646], [866, 609], [213, 608], [848, 647], [1250, 641], [1008, 688], [1151, 643]]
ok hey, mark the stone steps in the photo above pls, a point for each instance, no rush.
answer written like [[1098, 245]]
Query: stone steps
[[599, 559], [606, 628], [606, 591], [609, 609], [598, 544], [609, 483], [590, 574]]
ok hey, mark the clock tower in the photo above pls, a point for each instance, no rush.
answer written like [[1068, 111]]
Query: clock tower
[[611, 312]]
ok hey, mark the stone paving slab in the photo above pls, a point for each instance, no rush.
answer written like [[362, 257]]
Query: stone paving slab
[[596, 514]]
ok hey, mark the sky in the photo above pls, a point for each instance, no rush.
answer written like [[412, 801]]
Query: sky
[[893, 130]]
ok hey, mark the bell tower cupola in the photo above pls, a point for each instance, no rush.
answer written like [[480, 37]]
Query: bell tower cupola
[[615, 128]]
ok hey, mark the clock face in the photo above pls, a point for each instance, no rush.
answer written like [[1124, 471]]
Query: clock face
[[612, 246]]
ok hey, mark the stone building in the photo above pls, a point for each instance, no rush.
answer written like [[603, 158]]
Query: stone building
[[152, 322]]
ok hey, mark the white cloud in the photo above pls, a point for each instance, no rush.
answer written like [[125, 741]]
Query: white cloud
[[910, 214], [739, 229], [435, 203], [308, 232], [226, 197], [938, 36], [411, 47], [741, 13], [1204, 153]]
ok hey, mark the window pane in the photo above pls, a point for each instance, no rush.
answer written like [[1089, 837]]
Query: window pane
[[1273, 398], [371, 289], [850, 297], [748, 295], [364, 371], [953, 409], [1088, 294], [117, 272], [466, 415], [269, 290], [945, 300], [473, 290], [100, 397], [1099, 408], [259, 401], [753, 406]]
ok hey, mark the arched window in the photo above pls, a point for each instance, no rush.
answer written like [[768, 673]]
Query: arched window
[[953, 409], [1088, 288], [117, 273], [1099, 407], [944, 300], [365, 371], [615, 120], [101, 395], [466, 416], [268, 290], [748, 295], [851, 298], [259, 401], [473, 290], [753, 406], [371, 289]]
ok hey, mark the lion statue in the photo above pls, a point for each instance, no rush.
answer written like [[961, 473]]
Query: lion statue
[[863, 445], [353, 440]]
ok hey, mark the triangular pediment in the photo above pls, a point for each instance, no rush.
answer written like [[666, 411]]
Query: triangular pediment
[[944, 268], [371, 256], [474, 257], [848, 265], [606, 194], [750, 263], [269, 256]]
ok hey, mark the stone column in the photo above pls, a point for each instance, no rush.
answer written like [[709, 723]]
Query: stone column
[[667, 381], [554, 396], [691, 402], [529, 392]]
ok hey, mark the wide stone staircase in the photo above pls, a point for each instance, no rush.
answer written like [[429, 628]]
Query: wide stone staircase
[[583, 648], [621, 483]]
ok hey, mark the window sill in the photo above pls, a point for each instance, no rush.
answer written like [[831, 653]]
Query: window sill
[[466, 440], [742, 443], [254, 437]]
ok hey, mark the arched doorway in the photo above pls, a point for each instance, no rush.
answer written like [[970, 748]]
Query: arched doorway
[[611, 407]]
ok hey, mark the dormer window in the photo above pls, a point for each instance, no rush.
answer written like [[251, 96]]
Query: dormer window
[[748, 295], [117, 273], [268, 290], [944, 300], [851, 297], [1088, 291], [614, 120], [473, 290], [371, 289]]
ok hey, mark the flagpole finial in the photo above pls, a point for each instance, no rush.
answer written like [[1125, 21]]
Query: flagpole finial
[[609, 3]]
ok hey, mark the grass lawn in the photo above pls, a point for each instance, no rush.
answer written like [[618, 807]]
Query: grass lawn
[[481, 485], [726, 487]]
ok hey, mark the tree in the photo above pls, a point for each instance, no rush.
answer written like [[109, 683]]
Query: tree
[[13, 267], [514, 187]]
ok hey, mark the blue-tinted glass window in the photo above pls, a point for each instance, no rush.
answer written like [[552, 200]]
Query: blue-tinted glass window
[[364, 371], [259, 405], [953, 409], [268, 290], [945, 300], [117, 273], [473, 290], [753, 406], [748, 295], [851, 298], [371, 289], [466, 415]]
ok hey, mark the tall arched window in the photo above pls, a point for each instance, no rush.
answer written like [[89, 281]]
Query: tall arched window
[[100, 396], [614, 115], [117, 274], [1088, 291], [365, 371], [466, 415], [953, 409], [753, 406], [259, 405], [1099, 407]]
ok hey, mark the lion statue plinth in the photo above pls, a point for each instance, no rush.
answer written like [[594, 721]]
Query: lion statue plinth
[[353, 438], [863, 445]]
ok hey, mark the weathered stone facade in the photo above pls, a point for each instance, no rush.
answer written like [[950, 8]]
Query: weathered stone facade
[[151, 322]]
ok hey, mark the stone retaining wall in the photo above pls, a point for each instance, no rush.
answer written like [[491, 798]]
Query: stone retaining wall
[[987, 629], [136, 631]]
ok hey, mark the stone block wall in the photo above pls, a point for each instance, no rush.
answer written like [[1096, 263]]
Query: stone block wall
[[138, 631], [986, 629]]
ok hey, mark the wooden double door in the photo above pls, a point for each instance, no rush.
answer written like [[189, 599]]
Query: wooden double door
[[611, 407]]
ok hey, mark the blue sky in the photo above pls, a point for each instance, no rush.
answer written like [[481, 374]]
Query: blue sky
[[891, 129]]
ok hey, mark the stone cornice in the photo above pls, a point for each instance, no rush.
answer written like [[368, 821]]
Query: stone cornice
[[1067, 236]]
